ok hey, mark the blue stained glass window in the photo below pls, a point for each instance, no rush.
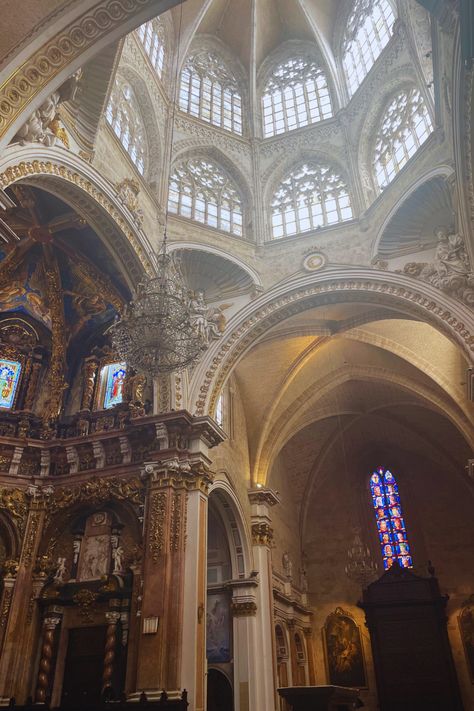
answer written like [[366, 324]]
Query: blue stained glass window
[[390, 521], [9, 377], [115, 378]]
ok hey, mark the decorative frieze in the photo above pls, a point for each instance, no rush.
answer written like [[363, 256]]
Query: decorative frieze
[[243, 608], [156, 535]]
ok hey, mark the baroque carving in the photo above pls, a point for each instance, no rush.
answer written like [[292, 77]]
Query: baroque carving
[[43, 125], [14, 501], [262, 534], [96, 491], [35, 73], [127, 192], [450, 270], [209, 322], [30, 538], [244, 608], [157, 518]]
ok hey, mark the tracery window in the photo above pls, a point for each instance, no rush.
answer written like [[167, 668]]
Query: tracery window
[[123, 115], [296, 94], [112, 381], [390, 521], [152, 37], [201, 191], [219, 416], [209, 91], [311, 196], [405, 125], [9, 377], [369, 28]]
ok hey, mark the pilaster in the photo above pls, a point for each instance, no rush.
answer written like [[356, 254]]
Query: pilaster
[[263, 693]]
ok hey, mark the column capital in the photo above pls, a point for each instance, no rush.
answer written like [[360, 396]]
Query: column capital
[[243, 608], [262, 533], [263, 497], [112, 617]]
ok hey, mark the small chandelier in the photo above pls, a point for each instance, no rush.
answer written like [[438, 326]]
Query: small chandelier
[[155, 334], [361, 568]]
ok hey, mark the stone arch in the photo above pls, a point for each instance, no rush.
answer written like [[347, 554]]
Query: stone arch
[[444, 171], [154, 144], [231, 513], [79, 184], [333, 285]]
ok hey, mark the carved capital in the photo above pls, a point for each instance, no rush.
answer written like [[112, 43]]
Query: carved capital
[[244, 608], [262, 534]]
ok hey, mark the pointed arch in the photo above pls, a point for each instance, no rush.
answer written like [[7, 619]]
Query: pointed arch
[[389, 518]]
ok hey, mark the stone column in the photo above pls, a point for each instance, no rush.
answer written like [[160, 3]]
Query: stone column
[[245, 642], [15, 674], [263, 695], [110, 649], [45, 675], [308, 635]]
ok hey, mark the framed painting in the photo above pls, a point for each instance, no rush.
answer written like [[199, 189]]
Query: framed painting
[[218, 628], [343, 651]]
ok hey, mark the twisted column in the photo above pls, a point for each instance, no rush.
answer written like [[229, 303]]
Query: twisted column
[[44, 673], [110, 646]]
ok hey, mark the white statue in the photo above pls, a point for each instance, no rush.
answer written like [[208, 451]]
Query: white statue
[[209, 322], [43, 124], [61, 571], [117, 556], [287, 565]]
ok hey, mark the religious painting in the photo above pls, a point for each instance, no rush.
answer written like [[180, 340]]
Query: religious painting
[[343, 650], [466, 628], [218, 628], [9, 376], [95, 562], [115, 379]]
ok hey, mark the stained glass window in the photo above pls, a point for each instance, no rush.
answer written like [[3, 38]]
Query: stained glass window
[[152, 37], [201, 191], [369, 28], [9, 376], [209, 91], [405, 125], [114, 377], [390, 521], [295, 95], [123, 114], [313, 195]]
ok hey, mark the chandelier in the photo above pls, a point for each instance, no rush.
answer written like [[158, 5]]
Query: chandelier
[[155, 334], [361, 567]]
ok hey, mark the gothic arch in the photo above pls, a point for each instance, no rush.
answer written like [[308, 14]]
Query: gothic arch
[[333, 285], [78, 183], [154, 144]]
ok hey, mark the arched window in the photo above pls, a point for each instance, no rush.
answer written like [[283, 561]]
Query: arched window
[[282, 651], [405, 125], [368, 30], [295, 95], [201, 191], [9, 377], [210, 92], [313, 195], [112, 381], [390, 521], [152, 37], [123, 114]]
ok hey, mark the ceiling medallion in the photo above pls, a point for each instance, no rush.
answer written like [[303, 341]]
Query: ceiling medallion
[[156, 333], [314, 261]]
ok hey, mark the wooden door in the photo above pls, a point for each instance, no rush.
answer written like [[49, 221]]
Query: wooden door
[[82, 680]]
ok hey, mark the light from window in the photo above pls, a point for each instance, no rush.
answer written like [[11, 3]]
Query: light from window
[[219, 416], [9, 376], [296, 94], [210, 92], [201, 191], [312, 196], [152, 37], [406, 124], [369, 28], [123, 115], [113, 375], [390, 521]]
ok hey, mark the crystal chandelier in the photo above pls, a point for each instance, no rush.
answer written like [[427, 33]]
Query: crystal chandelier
[[361, 567], [155, 334]]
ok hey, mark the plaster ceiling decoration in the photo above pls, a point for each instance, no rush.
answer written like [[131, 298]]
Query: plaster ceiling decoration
[[412, 226]]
